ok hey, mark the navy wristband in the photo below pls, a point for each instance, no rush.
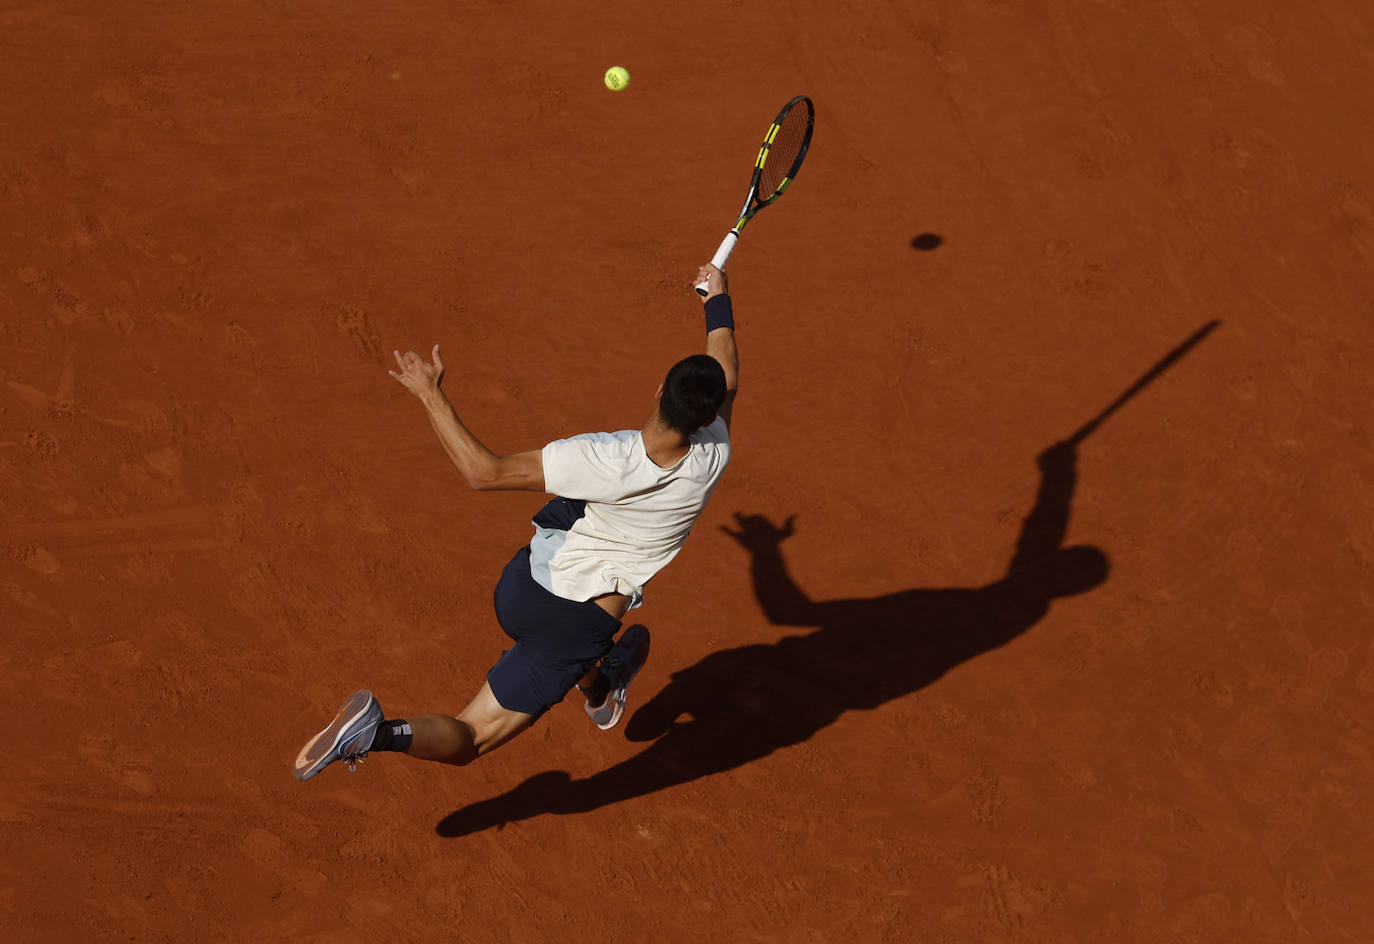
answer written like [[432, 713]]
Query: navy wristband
[[719, 314]]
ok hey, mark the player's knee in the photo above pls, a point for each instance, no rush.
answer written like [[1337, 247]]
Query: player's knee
[[462, 758], [467, 749], [490, 733]]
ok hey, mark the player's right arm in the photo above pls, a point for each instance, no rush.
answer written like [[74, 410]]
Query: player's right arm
[[720, 341]]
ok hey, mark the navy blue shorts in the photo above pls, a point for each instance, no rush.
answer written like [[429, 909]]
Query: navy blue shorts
[[556, 640]]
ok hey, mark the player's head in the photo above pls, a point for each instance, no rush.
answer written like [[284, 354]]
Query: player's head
[[692, 393], [1077, 569]]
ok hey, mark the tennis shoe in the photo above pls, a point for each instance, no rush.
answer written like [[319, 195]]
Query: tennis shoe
[[621, 665], [348, 737]]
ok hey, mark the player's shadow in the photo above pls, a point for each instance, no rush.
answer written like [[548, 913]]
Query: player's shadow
[[738, 705]]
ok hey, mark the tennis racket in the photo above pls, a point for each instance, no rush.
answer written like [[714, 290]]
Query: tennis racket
[[784, 149]]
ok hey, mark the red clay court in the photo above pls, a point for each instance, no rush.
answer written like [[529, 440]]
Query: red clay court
[[219, 515]]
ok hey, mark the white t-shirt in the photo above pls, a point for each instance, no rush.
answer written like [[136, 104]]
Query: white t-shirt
[[637, 516]]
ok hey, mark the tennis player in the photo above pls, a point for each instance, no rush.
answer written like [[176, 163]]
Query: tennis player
[[625, 504]]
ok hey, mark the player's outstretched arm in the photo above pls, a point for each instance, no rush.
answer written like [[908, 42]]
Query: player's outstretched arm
[[482, 468], [720, 332]]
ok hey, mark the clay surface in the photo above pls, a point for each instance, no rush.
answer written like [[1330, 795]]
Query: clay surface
[[888, 721]]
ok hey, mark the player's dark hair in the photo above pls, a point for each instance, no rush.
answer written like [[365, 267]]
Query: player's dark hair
[[692, 393]]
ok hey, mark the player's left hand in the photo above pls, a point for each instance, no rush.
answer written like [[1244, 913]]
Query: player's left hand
[[417, 375]]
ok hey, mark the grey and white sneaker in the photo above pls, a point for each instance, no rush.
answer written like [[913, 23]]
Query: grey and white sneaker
[[621, 665], [348, 737]]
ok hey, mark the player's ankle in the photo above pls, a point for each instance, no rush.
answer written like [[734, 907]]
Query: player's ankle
[[392, 736], [597, 692]]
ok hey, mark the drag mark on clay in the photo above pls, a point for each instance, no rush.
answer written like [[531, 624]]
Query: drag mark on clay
[[987, 796], [174, 529], [354, 322], [63, 397], [65, 305]]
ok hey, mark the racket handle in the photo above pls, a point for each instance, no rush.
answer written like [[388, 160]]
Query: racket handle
[[727, 246]]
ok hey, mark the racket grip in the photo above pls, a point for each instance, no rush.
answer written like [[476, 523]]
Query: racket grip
[[727, 246]]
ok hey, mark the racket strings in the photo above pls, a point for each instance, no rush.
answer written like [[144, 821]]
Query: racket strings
[[783, 153]]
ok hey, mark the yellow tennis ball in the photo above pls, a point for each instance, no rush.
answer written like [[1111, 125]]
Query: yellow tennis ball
[[617, 77]]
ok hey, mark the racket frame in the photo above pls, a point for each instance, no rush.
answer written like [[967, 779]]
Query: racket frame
[[752, 203]]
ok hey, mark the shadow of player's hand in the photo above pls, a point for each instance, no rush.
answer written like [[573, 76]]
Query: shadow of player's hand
[[756, 533], [1058, 457]]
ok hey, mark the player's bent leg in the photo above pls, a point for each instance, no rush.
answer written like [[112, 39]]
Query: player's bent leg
[[491, 722], [441, 738], [480, 728]]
